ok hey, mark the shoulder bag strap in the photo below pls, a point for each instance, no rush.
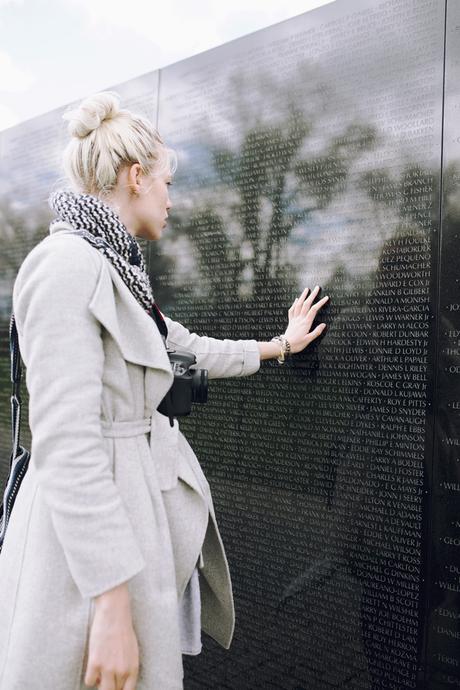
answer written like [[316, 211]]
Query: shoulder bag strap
[[16, 372]]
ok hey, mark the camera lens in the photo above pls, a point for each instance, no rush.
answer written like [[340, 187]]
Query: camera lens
[[200, 386]]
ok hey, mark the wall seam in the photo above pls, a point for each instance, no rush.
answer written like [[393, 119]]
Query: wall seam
[[429, 505]]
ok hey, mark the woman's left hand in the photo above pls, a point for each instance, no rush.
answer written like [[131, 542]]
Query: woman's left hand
[[301, 315]]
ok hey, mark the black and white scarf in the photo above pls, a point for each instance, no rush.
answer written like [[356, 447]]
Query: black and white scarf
[[99, 225]]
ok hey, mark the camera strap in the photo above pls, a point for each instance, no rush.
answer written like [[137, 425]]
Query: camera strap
[[15, 374], [156, 314]]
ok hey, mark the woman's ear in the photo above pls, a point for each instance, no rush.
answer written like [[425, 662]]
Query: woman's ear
[[135, 177]]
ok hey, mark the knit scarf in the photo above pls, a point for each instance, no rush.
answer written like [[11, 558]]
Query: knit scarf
[[99, 225]]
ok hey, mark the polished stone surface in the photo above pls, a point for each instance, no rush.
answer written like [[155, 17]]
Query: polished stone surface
[[322, 150]]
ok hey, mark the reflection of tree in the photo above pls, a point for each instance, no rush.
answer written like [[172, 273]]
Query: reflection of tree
[[374, 507], [19, 232], [374, 500], [259, 174], [414, 195], [326, 174], [268, 187], [271, 185], [351, 463], [163, 268]]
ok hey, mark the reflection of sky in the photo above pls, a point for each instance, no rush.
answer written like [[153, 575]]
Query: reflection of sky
[[194, 164], [31, 153], [30, 163], [366, 74], [331, 240], [210, 101], [452, 118], [347, 64]]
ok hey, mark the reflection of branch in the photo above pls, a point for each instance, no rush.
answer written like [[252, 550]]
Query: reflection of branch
[[275, 225], [271, 169], [312, 579], [414, 195]]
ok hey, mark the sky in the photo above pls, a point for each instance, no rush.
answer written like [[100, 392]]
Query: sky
[[53, 52]]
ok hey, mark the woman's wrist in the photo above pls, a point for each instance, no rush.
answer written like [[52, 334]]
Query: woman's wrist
[[273, 349], [117, 596], [268, 350]]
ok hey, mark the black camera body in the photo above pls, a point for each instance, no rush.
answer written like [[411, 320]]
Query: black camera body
[[189, 386]]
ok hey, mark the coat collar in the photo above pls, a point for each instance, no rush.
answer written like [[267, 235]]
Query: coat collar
[[134, 331]]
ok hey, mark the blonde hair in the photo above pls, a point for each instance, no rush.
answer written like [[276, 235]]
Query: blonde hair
[[104, 138]]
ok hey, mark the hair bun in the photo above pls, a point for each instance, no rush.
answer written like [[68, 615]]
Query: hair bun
[[91, 113]]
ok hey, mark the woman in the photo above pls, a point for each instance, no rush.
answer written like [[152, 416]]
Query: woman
[[112, 561]]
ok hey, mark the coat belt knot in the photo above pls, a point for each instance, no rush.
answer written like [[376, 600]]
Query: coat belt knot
[[127, 429], [162, 442]]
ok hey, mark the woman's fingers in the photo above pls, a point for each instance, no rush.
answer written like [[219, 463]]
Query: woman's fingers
[[108, 682], [91, 676], [130, 684], [304, 301], [311, 315], [308, 304], [302, 314], [300, 302], [320, 303], [121, 680], [315, 333], [292, 307]]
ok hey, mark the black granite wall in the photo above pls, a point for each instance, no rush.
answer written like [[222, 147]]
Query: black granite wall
[[323, 150]]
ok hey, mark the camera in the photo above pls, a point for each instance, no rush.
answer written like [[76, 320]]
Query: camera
[[189, 386]]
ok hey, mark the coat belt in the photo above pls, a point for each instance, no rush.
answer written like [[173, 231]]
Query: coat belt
[[135, 427], [163, 446]]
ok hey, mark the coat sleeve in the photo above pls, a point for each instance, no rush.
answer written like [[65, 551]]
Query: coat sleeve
[[62, 348], [222, 358]]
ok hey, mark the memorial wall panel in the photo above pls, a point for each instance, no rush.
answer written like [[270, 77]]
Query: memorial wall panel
[[310, 153]]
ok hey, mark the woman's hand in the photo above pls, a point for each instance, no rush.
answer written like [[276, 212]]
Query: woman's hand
[[113, 655], [301, 316]]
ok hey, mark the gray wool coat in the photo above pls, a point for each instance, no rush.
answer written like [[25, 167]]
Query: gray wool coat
[[113, 493]]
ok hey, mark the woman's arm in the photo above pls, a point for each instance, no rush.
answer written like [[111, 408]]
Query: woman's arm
[[62, 348], [225, 358], [113, 650], [222, 358]]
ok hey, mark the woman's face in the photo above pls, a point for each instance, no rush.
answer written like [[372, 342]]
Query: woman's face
[[150, 206], [142, 201]]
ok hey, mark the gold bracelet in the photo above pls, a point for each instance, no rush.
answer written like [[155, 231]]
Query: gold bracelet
[[285, 348], [287, 345], [277, 339]]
